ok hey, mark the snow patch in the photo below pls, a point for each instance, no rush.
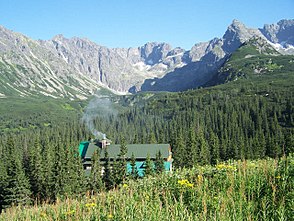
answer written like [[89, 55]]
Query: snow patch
[[249, 56], [182, 64], [176, 55], [289, 47], [48, 95], [81, 97], [141, 66]]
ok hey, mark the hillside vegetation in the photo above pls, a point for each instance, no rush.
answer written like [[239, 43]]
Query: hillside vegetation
[[234, 190]]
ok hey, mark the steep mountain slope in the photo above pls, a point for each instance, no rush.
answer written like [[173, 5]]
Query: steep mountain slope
[[255, 59], [27, 69], [75, 68], [206, 58]]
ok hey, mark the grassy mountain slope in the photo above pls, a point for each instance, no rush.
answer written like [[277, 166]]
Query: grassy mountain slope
[[258, 62]]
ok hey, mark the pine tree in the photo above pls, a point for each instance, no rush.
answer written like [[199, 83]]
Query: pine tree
[[136, 140], [121, 170], [134, 172], [214, 147], [148, 166], [151, 138], [95, 181], [59, 170], [159, 163], [204, 151], [76, 177], [48, 170], [179, 155], [35, 170], [191, 151], [3, 184], [17, 190], [107, 178]]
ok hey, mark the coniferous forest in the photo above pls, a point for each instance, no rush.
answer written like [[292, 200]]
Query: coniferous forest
[[245, 119]]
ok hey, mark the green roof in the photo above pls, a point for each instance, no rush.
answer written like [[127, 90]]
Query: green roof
[[140, 151]]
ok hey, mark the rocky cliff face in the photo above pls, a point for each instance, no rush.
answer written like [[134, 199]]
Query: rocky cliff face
[[282, 32], [76, 67]]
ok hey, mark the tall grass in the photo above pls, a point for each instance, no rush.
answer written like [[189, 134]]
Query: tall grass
[[236, 190]]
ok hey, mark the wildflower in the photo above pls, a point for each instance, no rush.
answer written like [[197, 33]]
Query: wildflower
[[110, 216], [200, 178], [278, 177], [225, 167], [189, 185], [185, 183], [125, 185], [43, 214], [220, 166], [89, 205], [70, 212]]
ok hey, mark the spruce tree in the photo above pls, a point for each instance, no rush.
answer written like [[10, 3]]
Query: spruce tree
[[35, 170], [148, 166], [204, 151], [151, 138], [3, 184], [95, 181], [121, 169], [159, 163], [48, 170], [214, 147], [59, 170], [179, 155], [17, 190], [191, 151], [107, 175], [134, 172]]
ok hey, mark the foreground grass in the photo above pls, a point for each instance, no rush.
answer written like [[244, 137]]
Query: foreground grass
[[237, 190]]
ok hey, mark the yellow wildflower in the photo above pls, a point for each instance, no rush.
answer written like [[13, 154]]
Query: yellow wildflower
[[278, 177], [185, 183], [125, 185], [225, 167], [189, 185], [89, 205], [43, 214], [70, 212], [220, 166], [110, 216]]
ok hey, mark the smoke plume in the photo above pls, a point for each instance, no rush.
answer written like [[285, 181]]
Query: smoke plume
[[99, 106]]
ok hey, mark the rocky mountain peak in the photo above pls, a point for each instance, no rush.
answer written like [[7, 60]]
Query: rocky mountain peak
[[58, 37], [153, 52], [236, 34], [236, 25], [282, 32], [285, 23]]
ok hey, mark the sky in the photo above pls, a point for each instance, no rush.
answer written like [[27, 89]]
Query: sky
[[132, 23]]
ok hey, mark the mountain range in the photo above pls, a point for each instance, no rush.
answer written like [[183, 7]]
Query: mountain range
[[76, 67]]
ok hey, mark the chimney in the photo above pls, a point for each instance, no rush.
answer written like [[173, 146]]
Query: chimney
[[105, 142]]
